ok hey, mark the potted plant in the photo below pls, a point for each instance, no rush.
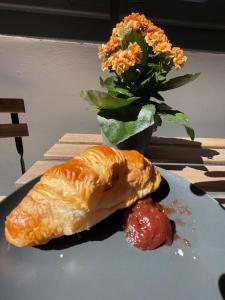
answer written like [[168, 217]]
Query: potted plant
[[139, 56]]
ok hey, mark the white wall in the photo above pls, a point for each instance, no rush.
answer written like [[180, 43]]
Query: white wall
[[49, 75]]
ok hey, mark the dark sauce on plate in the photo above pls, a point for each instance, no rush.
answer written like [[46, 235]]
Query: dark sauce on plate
[[147, 226]]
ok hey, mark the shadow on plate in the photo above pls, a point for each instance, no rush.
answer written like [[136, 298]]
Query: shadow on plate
[[221, 284], [162, 192], [99, 232], [197, 191]]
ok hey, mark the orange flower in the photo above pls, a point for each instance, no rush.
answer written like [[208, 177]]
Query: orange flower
[[102, 50], [178, 57], [162, 47], [157, 39], [108, 48], [117, 30], [137, 22], [122, 60], [155, 35], [106, 63]]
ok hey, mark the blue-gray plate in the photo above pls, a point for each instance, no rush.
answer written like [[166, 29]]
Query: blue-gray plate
[[99, 264]]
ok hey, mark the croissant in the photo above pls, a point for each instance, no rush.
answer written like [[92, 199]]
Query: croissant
[[73, 196]]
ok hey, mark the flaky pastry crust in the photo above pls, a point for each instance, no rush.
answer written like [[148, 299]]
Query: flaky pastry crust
[[73, 196]]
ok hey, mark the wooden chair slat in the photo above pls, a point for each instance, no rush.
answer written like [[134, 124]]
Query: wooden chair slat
[[12, 106], [79, 138], [13, 130], [156, 153]]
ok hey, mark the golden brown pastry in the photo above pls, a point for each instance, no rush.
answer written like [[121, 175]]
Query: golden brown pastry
[[73, 196]]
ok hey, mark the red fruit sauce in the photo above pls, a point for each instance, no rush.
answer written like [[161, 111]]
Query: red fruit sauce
[[147, 226]]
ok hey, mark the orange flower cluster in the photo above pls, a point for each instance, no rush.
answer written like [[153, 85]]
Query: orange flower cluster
[[117, 30], [178, 57], [110, 47], [157, 39], [159, 42], [138, 23], [121, 60]]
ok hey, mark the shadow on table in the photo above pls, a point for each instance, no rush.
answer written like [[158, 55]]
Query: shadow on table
[[174, 150], [215, 173], [176, 154], [214, 186]]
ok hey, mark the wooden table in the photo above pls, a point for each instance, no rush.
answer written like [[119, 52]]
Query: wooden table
[[201, 162]]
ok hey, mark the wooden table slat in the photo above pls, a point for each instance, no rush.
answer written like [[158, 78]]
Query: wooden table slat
[[156, 153], [79, 138], [64, 151], [37, 169]]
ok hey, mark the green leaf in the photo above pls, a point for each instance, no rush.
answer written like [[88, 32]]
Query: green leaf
[[109, 83], [155, 67], [92, 109], [160, 77], [112, 93], [104, 101], [131, 75], [167, 65], [164, 106], [157, 121], [157, 96], [147, 81], [156, 101], [177, 82], [121, 91], [118, 125], [179, 117]]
